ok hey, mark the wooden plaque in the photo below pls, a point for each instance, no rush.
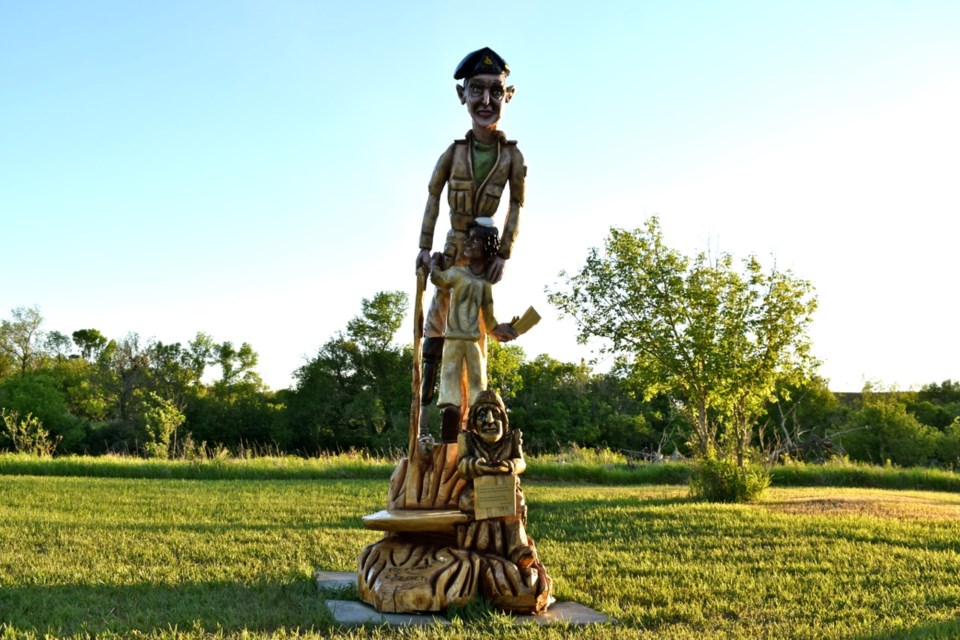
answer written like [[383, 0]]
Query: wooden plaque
[[495, 496]]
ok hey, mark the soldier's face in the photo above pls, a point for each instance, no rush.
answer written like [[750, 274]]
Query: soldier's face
[[489, 424], [485, 95]]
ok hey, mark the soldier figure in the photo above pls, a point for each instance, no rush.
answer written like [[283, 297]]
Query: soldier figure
[[475, 171]]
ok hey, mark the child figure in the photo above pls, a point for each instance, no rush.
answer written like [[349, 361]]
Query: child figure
[[469, 315], [490, 447]]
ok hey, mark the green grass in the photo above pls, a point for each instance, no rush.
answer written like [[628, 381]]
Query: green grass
[[334, 466], [170, 558]]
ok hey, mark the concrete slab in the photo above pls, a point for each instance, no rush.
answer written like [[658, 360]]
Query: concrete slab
[[335, 579], [350, 613], [572, 613]]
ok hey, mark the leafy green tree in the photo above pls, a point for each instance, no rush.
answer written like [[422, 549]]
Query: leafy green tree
[[90, 342], [37, 393], [948, 446], [718, 340], [123, 372], [945, 393], [78, 381], [236, 365], [356, 391], [553, 406], [503, 369], [21, 339], [883, 430], [160, 422], [58, 345]]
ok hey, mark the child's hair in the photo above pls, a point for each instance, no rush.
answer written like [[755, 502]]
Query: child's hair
[[490, 237]]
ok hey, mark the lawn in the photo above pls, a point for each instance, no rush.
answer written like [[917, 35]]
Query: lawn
[[233, 558]]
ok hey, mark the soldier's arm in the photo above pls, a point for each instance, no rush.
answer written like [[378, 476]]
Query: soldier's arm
[[441, 173], [511, 225]]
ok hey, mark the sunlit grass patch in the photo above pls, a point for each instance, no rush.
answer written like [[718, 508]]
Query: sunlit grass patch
[[234, 558], [866, 502]]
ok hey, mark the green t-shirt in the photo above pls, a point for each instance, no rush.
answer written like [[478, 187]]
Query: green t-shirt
[[483, 156]]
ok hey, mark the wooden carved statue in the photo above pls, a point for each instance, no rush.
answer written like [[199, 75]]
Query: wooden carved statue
[[456, 518]]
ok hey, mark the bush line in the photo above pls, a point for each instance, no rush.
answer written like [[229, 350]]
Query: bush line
[[606, 470]]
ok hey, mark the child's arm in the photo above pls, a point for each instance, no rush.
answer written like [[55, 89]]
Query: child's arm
[[440, 274]]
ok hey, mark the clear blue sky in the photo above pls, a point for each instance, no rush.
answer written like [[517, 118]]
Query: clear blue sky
[[252, 169]]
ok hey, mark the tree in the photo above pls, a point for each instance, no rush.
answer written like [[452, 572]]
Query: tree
[[160, 419], [356, 391], [884, 431], [718, 340], [123, 372], [58, 345], [90, 342], [236, 365], [21, 338], [503, 369]]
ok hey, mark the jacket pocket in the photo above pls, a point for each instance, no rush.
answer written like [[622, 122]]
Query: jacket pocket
[[460, 196], [490, 199]]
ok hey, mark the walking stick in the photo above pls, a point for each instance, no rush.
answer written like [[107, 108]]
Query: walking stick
[[417, 363]]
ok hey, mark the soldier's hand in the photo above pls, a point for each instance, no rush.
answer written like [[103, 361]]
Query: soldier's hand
[[423, 259], [495, 269]]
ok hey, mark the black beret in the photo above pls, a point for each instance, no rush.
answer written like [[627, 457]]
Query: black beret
[[483, 60]]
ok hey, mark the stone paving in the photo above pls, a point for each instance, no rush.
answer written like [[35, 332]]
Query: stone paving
[[352, 613]]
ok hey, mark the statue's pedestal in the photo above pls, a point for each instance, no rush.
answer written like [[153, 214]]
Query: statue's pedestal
[[420, 564]]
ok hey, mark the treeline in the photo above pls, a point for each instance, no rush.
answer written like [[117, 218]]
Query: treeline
[[89, 393]]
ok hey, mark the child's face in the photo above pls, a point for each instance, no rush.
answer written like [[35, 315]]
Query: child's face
[[489, 424], [473, 246]]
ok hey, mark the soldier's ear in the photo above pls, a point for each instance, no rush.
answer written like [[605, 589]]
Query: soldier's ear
[[508, 93], [462, 94]]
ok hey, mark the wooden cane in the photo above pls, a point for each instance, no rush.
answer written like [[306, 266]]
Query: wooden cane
[[417, 363]]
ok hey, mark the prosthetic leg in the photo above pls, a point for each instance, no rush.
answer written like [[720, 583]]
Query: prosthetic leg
[[432, 352]]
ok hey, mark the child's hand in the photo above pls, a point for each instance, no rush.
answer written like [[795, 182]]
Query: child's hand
[[504, 332]]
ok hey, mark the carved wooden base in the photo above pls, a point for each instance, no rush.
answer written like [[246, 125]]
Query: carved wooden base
[[399, 575]]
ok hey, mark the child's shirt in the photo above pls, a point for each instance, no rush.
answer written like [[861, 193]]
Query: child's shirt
[[470, 296]]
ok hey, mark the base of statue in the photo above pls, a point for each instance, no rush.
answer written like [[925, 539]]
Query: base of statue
[[398, 575], [435, 556]]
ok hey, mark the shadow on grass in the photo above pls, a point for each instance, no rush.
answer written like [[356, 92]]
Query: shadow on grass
[[948, 630], [96, 609], [348, 522]]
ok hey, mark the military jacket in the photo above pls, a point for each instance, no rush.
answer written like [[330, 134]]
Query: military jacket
[[466, 199]]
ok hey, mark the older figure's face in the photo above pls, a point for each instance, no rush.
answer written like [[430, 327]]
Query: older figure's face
[[489, 423], [485, 94]]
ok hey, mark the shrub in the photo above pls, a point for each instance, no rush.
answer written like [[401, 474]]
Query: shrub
[[886, 431], [722, 480], [26, 434], [948, 445]]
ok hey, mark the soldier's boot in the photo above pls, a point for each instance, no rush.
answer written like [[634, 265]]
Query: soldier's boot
[[449, 424]]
